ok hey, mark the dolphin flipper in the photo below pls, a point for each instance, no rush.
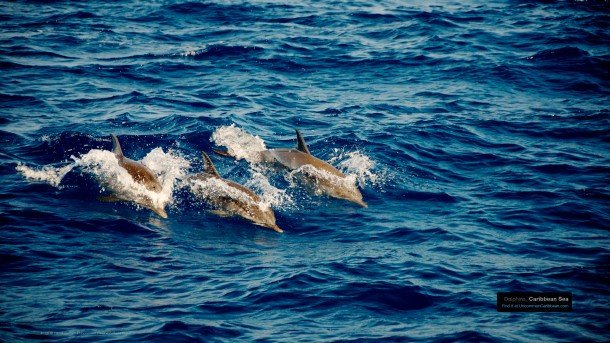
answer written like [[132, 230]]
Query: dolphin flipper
[[109, 198], [221, 213], [116, 147], [222, 152], [301, 146]]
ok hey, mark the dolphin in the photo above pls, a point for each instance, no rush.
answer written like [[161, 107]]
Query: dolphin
[[140, 174], [230, 198], [326, 178]]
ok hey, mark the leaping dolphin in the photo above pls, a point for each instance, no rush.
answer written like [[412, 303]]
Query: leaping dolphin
[[326, 178], [140, 174], [232, 199]]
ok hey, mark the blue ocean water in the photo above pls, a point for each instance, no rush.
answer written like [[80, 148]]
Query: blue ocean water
[[478, 133]]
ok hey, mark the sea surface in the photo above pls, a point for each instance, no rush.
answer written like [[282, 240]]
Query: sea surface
[[477, 131]]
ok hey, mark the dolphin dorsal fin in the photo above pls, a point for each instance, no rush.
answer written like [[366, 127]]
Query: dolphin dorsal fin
[[116, 147], [301, 146], [208, 165]]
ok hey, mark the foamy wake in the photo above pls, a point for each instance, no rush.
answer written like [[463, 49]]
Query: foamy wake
[[239, 143], [358, 168], [47, 174], [270, 195], [170, 167]]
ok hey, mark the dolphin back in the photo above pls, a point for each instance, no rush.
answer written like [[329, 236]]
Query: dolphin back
[[116, 147], [295, 159]]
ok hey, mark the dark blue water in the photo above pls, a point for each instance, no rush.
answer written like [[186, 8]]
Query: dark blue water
[[479, 133]]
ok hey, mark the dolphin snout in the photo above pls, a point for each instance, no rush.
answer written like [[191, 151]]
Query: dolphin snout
[[361, 203], [275, 228], [161, 212]]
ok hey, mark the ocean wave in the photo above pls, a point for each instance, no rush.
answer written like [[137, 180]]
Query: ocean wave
[[477, 134], [384, 296]]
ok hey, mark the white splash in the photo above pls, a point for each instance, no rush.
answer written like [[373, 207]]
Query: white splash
[[270, 195], [215, 188], [47, 174], [358, 167], [171, 168], [239, 143]]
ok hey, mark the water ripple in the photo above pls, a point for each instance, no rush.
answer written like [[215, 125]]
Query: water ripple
[[477, 134]]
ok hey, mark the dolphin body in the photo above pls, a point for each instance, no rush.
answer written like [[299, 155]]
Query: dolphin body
[[140, 174], [326, 178], [233, 199]]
